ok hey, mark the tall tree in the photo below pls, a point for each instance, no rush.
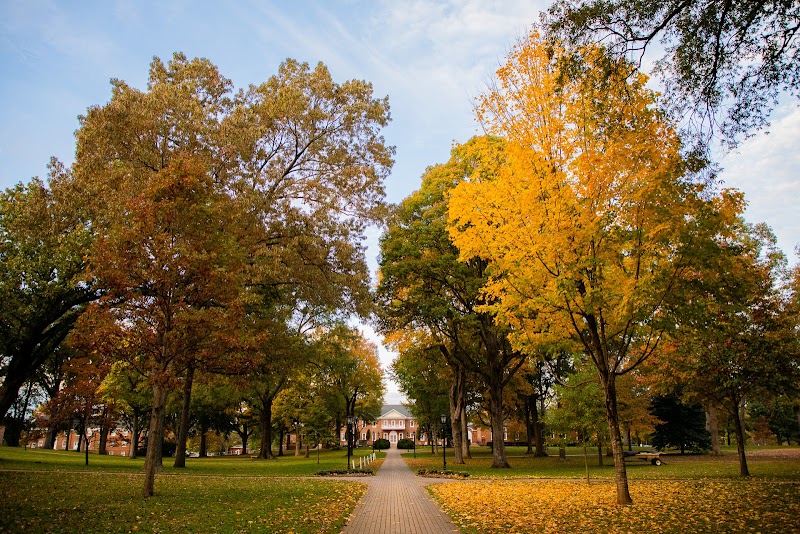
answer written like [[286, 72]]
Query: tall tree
[[348, 365], [591, 221], [274, 355], [287, 174], [126, 386], [737, 340], [170, 269], [425, 285], [580, 408], [44, 236], [724, 64], [425, 379], [681, 425]]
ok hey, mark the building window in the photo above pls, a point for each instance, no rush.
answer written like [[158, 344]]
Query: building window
[[385, 435], [413, 436], [344, 436], [111, 453], [364, 436], [401, 435], [122, 453], [394, 423], [412, 423]]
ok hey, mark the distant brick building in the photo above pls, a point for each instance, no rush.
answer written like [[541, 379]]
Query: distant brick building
[[396, 423], [118, 443]]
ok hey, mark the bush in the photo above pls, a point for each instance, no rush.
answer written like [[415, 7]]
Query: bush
[[334, 472], [381, 444], [405, 444], [436, 473]]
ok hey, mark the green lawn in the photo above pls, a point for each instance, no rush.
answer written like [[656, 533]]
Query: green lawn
[[764, 463], [288, 465], [53, 491]]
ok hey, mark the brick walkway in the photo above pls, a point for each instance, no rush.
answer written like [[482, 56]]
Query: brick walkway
[[396, 503]]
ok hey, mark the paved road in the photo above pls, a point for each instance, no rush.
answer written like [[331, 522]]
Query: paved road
[[396, 503]]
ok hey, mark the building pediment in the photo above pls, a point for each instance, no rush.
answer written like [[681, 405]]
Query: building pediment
[[393, 414]]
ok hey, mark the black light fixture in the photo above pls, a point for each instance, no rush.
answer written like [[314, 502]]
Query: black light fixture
[[443, 417]]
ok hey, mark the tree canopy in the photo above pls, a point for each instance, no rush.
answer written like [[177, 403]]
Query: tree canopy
[[592, 220], [724, 63]]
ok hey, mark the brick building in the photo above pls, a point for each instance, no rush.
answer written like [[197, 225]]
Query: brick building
[[396, 423], [118, 443]]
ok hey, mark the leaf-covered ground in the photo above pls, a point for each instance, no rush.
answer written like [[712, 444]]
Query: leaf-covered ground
[[659, 506]]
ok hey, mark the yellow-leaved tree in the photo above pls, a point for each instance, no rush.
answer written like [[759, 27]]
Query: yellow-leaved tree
[[593, 220]]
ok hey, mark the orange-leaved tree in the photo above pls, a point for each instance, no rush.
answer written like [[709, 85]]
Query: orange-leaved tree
[[591, 222], [171, 274]]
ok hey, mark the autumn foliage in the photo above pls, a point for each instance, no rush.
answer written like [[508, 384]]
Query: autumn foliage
[[661, 506], [593, 219]]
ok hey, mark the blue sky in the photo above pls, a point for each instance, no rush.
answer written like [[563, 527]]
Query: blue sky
[[430, 57]]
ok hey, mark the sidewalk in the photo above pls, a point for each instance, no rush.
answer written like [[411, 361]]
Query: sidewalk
[[396, 503]]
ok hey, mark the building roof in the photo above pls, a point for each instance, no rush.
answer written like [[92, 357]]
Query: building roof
[[397, 407]]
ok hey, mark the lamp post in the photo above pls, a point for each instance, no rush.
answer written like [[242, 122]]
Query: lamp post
[[443, 417], [350, 420]]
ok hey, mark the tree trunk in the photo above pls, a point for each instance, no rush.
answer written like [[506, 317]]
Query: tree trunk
[[797, 414], [160, 448], [14, 433], [496, 412], [80, 439], [538, 431], [85, 435], [155, 438], [526, 412], [297, 445], [12, 383], [457, 411], [244, 434], [712, 425], [621, 475], [102, 445], [135, 434], [266, 431], [466, 454], [740, 440], [203, 453], [183, 426], [50, 437], [626, 437]]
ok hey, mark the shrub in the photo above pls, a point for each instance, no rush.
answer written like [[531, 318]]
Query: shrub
[[381, 444], [442, 474], [334, 472], [405, 444]]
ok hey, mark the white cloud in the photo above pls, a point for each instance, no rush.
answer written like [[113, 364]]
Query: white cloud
[[767, 169], [393, 395]]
